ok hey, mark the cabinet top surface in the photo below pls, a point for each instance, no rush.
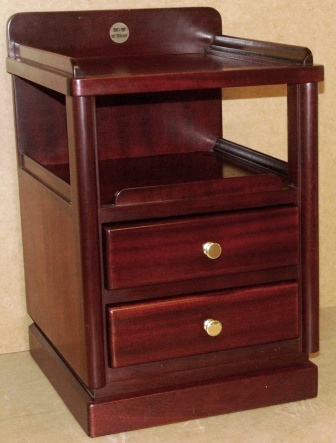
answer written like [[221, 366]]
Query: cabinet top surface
[[125, 51]]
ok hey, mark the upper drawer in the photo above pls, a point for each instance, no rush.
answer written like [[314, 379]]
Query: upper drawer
[[166, 251], [160, 330]]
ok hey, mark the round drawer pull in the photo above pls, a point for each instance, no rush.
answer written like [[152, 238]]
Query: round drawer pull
[[213, 327], [212, 250]]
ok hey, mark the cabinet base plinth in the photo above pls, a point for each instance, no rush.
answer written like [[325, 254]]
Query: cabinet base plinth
[[109, 415]]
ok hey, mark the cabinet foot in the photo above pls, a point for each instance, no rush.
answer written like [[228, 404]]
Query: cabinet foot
[[108, 415]]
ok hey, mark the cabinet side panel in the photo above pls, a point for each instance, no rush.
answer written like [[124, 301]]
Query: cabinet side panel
[[41, 123], [52, 270]]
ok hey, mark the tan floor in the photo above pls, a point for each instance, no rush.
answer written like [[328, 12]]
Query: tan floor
[[31, 411]]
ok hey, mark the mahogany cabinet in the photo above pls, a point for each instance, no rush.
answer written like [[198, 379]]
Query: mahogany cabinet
[[171, 274]]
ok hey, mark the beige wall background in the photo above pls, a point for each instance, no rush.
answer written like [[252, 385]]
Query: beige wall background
[[309, 23]]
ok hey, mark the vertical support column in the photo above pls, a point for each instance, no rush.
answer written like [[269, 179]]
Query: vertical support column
[[84, 187], [303, 172]]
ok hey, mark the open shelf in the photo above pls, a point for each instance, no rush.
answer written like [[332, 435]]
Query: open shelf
[[177, 176], [167, 177]]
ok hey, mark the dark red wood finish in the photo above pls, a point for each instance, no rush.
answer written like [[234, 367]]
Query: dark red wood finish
[[231, 186], [190, 31], [124, 174], [173, 250], [52, 270], [146, 332], [303, 171], [83, 177], [199, 110], [204, 399], [290, 382]]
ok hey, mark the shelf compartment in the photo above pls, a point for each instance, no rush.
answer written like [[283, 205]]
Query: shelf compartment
[[177, 176], [154, 179]]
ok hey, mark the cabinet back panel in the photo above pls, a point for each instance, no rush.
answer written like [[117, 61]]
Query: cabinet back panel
[[87, 33], [158, 123]]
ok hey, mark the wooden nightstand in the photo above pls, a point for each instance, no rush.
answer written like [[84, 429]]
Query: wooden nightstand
[[170, 274]]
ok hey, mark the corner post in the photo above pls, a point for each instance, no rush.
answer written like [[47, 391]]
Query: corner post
[[84, 190], [303, 173]]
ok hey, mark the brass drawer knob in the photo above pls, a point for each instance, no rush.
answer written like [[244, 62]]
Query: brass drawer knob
[[213, 327], [212, 250]]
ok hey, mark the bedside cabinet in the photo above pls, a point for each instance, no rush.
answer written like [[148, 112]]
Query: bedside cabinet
[[170, 273]]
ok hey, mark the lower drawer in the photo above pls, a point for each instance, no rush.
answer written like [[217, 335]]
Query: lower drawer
[[160, 330]]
